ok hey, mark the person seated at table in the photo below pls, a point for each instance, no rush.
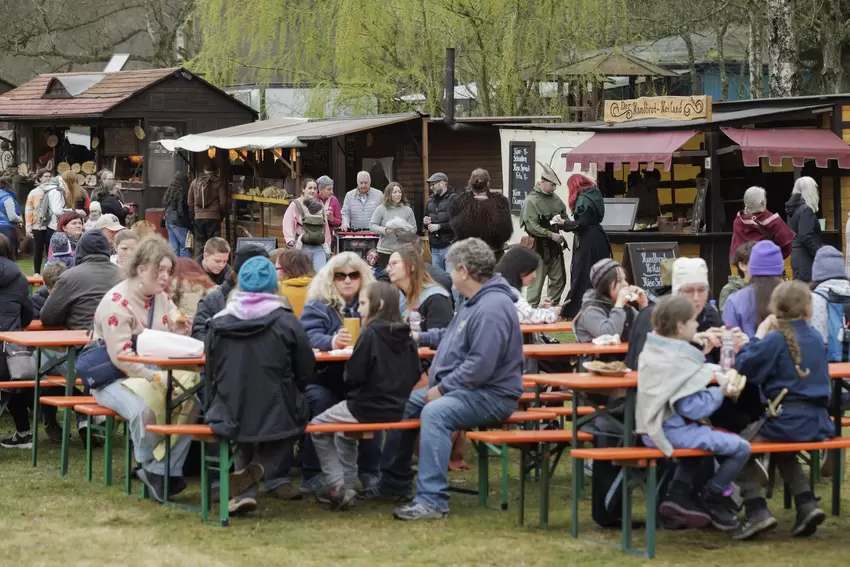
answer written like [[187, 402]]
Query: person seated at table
[[109, 225], [95, 212], [419, 291], [123, 313], [333, 297], [214, 260], [70, 224], [51, 274], [379, 377], [746, 309], [257, 336], [217, 299], [672, 396], [519, 267], [60, 249], [189, 285], [475, 380], [438, 274], [295, 273], [608, 306], [125, 243], [15, 315], [787, 354], [741, 262]]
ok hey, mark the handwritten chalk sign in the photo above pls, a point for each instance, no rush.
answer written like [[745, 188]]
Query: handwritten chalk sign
[[642, 261], [267, 243], [521, 175]]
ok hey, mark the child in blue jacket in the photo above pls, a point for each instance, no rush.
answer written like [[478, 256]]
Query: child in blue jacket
[[787, 353]]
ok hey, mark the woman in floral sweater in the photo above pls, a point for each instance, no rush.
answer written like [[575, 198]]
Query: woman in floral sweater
[[121, 316]]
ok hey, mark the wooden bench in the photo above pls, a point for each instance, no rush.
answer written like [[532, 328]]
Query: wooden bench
[[527, 398], [46, 382], [107, 430], [646, 457]]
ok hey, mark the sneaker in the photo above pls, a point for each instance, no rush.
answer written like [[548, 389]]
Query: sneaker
[[176, 485], [286, 492], [82, 429], [242, 480], [338, 497], [415, 511], [17, 441], [757, 522], [680, 507], [588, 469], [719, 508], [762, 465], [376, 493], [155, 484], [313, 484], [809, 517], [53, 431], [241, 506]]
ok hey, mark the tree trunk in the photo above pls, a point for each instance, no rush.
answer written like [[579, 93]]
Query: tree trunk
[[785, 77], [721, 61], [831, 39], [755, 49], [689, 44]]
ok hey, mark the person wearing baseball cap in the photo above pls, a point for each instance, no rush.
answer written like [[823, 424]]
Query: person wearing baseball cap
[[110, 226], [543, 214], [437, 219]]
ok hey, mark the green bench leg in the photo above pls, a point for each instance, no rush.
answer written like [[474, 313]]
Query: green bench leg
[[483, 474], [206, 488], [626, 544], [544, 486], [224, 458], [505, 456], [578, 464], [36, 407], [107, 450], [128, 460], [651, 507], [70, 378], [89, 423], [522, 476]]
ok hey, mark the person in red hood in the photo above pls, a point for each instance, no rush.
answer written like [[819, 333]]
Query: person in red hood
[[756, 223]]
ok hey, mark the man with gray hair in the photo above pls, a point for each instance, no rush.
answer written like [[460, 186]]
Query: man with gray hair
[[329, 200], [360, 204]]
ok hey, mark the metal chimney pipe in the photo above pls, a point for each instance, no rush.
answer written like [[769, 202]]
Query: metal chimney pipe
[[449, 101]]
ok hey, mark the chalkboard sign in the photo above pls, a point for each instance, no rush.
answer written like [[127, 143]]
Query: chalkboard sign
[[642, 261], [120, 142], [521, 174], [699, 205], [267, 243]]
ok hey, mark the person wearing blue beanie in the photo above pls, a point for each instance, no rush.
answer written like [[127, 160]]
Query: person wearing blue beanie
[[258, 275]]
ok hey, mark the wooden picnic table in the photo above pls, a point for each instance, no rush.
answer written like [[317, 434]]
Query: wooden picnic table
[[424, 352], [547, 351], [52, 340], [37, 325], [557, 327]]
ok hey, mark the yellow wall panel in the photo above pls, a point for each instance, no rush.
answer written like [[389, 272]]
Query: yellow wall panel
[[845, 113]]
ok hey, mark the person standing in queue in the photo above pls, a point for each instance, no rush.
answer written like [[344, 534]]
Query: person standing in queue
[[590, 243], [543, 214], [480, 213], [360, 203], [438, 218]]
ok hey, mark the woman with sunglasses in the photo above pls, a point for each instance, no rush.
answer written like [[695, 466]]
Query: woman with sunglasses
[[331, 298]]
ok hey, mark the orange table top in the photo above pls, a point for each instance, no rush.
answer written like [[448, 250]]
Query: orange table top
[[424, 352], [37, 325], [839, 370], [46, 338], [572, 349], [162, 362], [557, 327], [35, 280], [583, 381]]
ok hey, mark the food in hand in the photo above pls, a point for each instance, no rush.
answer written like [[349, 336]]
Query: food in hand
[[180, 318], [734, 383]]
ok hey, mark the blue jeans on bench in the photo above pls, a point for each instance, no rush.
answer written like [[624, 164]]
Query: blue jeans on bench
[[458, 410]]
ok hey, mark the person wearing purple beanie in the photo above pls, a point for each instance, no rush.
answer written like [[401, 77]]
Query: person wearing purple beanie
[[747, 308]]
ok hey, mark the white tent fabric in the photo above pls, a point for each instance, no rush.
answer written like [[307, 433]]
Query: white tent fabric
[[203, 142]]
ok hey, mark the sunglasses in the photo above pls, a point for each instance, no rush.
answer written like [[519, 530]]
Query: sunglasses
[[342, 276]]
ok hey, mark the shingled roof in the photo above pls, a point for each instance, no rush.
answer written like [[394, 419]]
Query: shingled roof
[[27, 101]]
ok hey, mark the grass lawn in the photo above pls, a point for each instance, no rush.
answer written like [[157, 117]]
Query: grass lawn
[[49, 520]]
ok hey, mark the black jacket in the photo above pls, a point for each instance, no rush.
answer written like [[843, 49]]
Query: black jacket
[[381, 372], [488, 219], [111, 205], [177, 212], [225, 275], [807, 237], [15, 305], [37, 300], [258, 370], [208, 307], [438, 208]]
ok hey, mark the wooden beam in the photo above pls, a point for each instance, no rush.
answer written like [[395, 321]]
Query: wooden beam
[[279, 153]]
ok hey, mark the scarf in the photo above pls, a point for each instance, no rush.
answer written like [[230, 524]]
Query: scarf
[[755, 227], [246, 305], [578, 184]]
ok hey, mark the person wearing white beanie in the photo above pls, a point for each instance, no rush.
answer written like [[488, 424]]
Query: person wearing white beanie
[[690, 272]]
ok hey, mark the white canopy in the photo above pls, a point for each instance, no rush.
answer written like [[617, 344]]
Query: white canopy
[[203, 142]]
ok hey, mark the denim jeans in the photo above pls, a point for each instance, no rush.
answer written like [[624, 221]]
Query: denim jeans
[[438, 257], [458, 410], [732, 453], [177, 239], [133, 409], [317, 254], [369, 450]]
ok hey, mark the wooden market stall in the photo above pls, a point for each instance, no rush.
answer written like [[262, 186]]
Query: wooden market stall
[[708, 155], [114, 121]]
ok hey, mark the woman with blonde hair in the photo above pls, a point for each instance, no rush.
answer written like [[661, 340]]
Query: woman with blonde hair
[[393, 216], [332, 297], [801, 210], [419, 292]]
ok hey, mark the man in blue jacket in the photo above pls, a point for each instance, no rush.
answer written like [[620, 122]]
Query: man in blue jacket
[[475, 380]]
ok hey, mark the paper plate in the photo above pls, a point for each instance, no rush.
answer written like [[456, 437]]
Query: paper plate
[[594, 366]]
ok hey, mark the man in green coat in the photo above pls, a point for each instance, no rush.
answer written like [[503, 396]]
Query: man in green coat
[[540, 209]]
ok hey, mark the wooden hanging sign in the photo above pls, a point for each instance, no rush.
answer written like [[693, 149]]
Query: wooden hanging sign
[[666, 107]]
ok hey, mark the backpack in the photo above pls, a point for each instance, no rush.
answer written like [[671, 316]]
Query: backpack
[[204, 191], [838, 321], [43, 214], [313, 225]]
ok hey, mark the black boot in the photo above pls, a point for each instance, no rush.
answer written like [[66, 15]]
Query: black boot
[[679, 506], [719, 508], [757, 519], [809, 515]]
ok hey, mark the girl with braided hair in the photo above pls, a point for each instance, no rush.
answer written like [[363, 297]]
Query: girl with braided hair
[[787, 354]]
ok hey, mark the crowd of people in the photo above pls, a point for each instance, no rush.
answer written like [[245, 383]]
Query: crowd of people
[[264, 314]]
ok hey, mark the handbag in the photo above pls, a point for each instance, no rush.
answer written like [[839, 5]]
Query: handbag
[[94, 366], [190, 240], [20, 361]]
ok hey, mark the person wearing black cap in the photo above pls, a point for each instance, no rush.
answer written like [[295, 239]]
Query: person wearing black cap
[[542, 216], [210, 305], [437, 218]]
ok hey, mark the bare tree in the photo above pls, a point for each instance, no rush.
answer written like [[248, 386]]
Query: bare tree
[[785, 77]]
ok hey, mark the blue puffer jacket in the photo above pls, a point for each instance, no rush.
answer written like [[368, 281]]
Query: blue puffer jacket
[[322, 322]]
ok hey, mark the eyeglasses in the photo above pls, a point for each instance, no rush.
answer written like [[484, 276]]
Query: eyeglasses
[[342, 276]]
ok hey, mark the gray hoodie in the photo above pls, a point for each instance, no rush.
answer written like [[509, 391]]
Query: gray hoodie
[[482, 346], [599, 317]]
